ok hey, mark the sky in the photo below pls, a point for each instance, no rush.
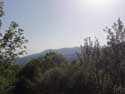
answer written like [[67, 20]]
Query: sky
[[53, 24]]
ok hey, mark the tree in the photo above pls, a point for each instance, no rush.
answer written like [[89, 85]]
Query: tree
[[103, 63], [32, 74], [1, 8], [1, 11], [28, 78], [12, 41], [12, 44], [116, 46]]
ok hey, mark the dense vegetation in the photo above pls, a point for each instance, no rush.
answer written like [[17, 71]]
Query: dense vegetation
[[97, 70]]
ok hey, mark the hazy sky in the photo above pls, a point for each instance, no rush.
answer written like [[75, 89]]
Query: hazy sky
[[62, 23]]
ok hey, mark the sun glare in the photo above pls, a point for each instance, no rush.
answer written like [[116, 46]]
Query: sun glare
[[99, 2], [96, 3]]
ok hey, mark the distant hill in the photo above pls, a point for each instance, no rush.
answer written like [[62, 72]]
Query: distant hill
[[69, 53]]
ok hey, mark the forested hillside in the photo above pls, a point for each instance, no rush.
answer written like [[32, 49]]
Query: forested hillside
[[69, 53]]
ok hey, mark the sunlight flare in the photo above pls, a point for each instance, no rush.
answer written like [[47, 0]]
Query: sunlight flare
[[97, 3]]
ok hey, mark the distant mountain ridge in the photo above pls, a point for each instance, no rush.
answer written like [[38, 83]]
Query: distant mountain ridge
[[69, 53]]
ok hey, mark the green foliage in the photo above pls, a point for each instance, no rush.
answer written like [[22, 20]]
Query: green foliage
[[12, 43], [7, 77], [50, 60], [1, 8], [28, 78], [103, 63], [32, 74], [66, 79]]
